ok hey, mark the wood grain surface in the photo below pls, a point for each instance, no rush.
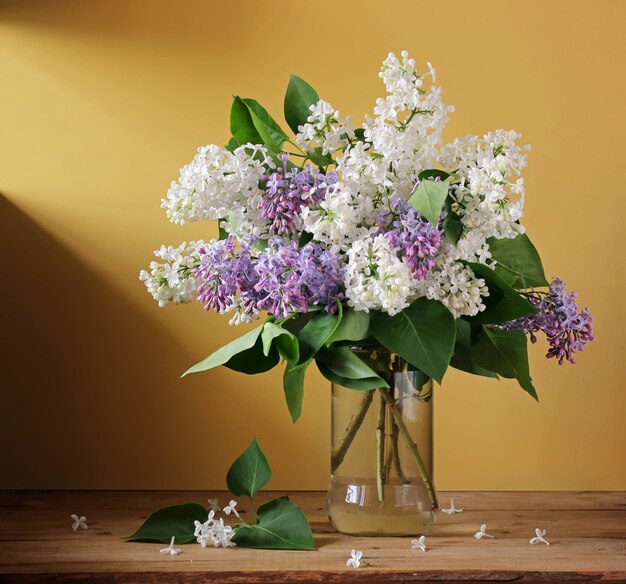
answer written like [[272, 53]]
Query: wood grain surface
[[587, 532]]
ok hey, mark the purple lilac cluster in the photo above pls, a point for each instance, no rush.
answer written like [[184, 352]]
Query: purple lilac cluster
[[287, 191], [225, 269], [413, 238], [281, 280], [292, 279], [566, 329]]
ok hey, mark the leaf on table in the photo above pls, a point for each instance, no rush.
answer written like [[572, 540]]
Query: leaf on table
[[281, 525], [176, 521], [249, 473]]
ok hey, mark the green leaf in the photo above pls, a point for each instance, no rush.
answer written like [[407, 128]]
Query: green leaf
[[316, 333], [232, 145], [294, 324], [354, 326], [506, 353], [429, 198], [316, 157], [341, 365], [305, 237], [227, 352], [286, 343], [517, 262], [281, 525], [433, 173], [359, 133], [254, 360], [177, 521], [249, 473], [241, 124], [271, 133], [423, 334], [364, 384], [452, 227], [293, 386], [503, 303], [222, 233], [244, 354], [462, 359], [299, 97]]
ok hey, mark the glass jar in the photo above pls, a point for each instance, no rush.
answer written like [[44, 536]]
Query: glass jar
[[381, 457]]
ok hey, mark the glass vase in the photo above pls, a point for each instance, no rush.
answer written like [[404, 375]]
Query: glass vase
[[381, 453]]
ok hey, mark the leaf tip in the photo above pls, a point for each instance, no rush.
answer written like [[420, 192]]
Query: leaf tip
[[295, 416]]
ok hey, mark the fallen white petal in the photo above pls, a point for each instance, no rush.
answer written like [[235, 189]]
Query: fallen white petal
[[171, 550], [452, 509], [539, 537], [78, 522]]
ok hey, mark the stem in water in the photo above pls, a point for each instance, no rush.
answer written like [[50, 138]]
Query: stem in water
[[339, 453], [406, 435], [380, 449]]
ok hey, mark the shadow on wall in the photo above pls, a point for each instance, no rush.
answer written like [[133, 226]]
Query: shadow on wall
[[120, 16], [77, 355]]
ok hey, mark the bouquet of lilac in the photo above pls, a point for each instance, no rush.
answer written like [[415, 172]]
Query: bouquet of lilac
[[381, 235]]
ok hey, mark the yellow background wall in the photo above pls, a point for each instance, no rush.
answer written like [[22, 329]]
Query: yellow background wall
[[102, 102]]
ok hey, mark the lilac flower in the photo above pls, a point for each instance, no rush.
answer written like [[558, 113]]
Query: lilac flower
[[225, 270], [278, 289], [292, 279], [413, 238], [287, 191], [566, 329], [322, 277], [281, 280]]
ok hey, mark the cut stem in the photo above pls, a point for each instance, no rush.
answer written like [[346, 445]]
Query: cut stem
[[356, 421], [389, 452], [396, 454], [380, 449], [406, 435]]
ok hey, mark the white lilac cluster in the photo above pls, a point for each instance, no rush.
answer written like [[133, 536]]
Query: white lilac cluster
[[490, 194], [455, 286], [376, 279], [213, 532], [218, 182], [173, 279], [372, 169], [325, 129]]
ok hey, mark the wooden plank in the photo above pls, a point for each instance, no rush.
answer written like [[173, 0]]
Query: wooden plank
[[587, 532]]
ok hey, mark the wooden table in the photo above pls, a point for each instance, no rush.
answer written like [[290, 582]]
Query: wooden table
[[587, 532]]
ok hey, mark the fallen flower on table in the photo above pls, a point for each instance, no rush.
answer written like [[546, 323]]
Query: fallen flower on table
[[214, 505], [171, 550], [214, 532], [277, 524], [452, 510], [539, 537], [230, 508], [355, 558], [482, 533], [419, 543], [79, 522]]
